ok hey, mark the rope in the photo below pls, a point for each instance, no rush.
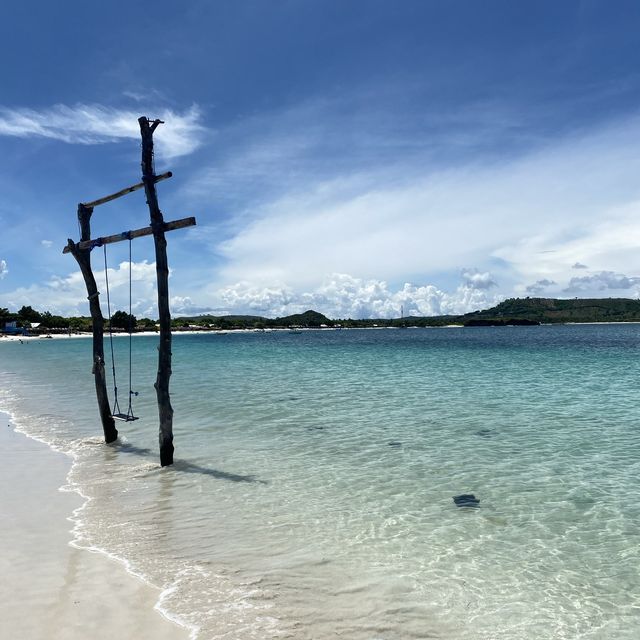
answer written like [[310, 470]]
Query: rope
[[131, 393], [116, 413], [116, 406]]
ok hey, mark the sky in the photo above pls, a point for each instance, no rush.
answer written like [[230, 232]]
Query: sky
[[362, 158]]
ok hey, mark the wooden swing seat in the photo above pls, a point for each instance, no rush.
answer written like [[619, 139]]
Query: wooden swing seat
[[124, 417]]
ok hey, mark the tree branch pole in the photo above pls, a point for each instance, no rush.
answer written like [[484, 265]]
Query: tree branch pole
[[162, 272], [83, 258]]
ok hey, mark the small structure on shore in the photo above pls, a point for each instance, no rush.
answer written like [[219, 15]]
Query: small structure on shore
[[12, 329], [81, 251]]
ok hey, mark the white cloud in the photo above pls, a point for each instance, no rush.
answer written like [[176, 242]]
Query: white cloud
[[98, 124], [476, 280], [532, 219], [338, 296], [144, 95], [184, 306], [602, 281], [344, 296], [526, 219], [68, 295], [46, 243], [608, 236], [332, 140], [391, 231], [4, 269], [244, 297], [540, 286]]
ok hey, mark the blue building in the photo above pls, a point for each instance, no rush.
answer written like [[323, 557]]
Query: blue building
[[12, 329]]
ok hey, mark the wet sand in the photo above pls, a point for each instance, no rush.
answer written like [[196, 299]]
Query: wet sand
[[50, 589]]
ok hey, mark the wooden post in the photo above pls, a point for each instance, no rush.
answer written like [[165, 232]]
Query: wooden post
[[81, 251], [162, 271], [83, 258]]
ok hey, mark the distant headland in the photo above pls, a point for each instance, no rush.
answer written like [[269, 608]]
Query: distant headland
[[514, 311]]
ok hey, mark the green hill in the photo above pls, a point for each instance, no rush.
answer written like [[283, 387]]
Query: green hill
[[309, 319], [514, 311], [551, 310]]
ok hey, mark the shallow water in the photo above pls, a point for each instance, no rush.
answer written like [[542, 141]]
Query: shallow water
[[312, 494]]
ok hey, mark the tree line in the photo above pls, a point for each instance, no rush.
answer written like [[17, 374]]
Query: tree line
[[26, 316], [510, 311]]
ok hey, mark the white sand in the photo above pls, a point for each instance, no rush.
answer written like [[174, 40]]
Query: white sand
[[49, 589]]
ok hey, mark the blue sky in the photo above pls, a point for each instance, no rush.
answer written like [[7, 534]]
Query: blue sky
[[349, 156]]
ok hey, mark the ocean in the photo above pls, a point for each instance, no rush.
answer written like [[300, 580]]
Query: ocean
[[312, 491]]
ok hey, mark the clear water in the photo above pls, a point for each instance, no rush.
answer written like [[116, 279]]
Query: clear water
[[312, 492]]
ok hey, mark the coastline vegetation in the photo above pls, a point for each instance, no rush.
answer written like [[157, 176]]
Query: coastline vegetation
[[513, 311]]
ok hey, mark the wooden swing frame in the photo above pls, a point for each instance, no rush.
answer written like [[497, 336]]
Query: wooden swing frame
[[81, 251]]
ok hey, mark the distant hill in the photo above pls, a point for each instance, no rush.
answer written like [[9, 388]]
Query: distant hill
[[309, 319], [514, 311], [551, 310]]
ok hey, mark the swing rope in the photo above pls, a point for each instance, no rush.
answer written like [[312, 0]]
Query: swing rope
[[132, 393], [116, 406], [117, 413]]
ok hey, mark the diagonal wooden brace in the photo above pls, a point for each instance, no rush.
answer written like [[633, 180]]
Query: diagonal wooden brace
[[124, 192]]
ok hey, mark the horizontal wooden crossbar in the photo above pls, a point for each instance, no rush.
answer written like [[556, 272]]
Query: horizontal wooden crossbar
[[130, 235], [124, 192]]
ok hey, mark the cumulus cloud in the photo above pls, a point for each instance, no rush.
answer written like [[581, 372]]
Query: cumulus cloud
[[608, 237], [476, 280], [339, 295], [4, 269], [99, 124], [184, 306], [540, 286], [67, 295], [345, 296], [248, 298], [602, 281]]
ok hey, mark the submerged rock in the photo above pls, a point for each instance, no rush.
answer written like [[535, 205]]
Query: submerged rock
[[466, 500]]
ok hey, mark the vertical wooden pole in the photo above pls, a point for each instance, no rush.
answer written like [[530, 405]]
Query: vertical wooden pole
[[162, 272], [83, 258]]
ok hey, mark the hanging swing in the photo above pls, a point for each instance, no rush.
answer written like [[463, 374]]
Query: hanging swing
[[117, 413]]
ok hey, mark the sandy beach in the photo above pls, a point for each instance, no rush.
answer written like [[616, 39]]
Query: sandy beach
[[51, 589]]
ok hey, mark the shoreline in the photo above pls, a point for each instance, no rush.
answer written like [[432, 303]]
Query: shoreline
[[5, 338], [53, 588]]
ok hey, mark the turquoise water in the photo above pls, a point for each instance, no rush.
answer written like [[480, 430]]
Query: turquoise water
[[312, 492]]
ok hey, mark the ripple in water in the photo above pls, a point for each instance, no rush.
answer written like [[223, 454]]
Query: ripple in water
[[312, 494]]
